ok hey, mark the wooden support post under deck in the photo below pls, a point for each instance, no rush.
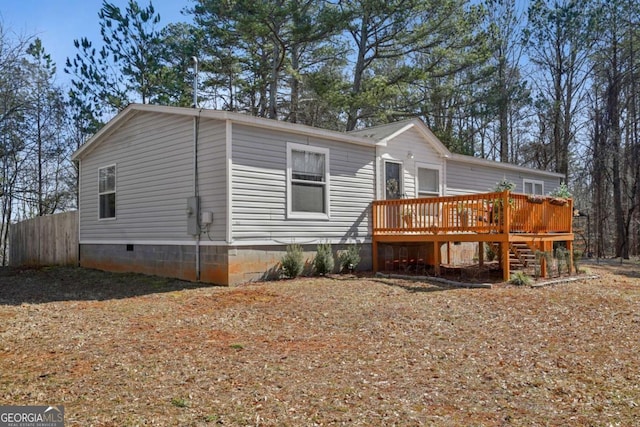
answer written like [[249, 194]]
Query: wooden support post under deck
[[544, 268], [481, 253], [437, 257], [570, 255], [504, 257]]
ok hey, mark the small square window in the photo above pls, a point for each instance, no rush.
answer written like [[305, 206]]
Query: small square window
[[533, 187]]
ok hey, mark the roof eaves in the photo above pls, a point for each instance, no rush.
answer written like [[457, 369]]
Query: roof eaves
[[131, 110], [122, 117], [510, 166], [384, 141], [289, 127]]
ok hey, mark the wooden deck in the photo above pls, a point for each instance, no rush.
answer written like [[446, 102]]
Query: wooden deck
[[502, 218]]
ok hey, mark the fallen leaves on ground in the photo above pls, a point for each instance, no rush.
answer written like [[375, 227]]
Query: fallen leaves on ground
[[125, 350]]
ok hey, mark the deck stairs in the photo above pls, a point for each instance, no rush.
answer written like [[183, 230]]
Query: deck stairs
[[521, 256]]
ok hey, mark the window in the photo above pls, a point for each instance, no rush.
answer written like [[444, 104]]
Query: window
[[428, 182], [392, 180], [308, 181], [533, 187], [107, 192]]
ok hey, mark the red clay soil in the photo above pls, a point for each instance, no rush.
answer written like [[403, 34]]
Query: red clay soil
[[125, 350]]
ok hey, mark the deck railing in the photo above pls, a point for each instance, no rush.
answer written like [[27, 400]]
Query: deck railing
[[498, 212]]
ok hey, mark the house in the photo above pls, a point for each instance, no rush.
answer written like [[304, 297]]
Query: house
[[217, 196]]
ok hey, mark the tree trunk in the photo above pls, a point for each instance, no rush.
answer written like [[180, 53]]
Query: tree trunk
[[503, 111], [273, 83], [615, 132], [295, 84], [358, 73]]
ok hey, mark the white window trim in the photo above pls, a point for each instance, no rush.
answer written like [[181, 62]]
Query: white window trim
[[432, 167], [115, 191], [292, 146], [533, 183]]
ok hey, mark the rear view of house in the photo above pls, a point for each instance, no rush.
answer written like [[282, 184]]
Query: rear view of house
[[217, 196]]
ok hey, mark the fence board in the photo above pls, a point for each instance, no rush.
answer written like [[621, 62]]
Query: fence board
[[45, 240]]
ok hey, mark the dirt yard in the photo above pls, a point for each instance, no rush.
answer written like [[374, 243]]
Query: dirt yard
[[127, 350]]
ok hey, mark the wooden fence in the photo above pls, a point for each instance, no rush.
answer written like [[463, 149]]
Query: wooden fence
[[45, 240]]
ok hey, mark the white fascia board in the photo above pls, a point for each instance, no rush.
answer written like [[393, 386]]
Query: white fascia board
[[426, 133], [384, 141], [433, 140], [113, 124]]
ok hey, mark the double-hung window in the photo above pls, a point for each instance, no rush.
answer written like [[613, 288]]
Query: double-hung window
[[107, 192], [533, 187], [308, 181], [428, 182]]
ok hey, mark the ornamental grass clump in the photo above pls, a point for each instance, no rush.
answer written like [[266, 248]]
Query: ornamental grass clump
[[293, 261], [577, 258], [519, 278], [562, 256], [349, 258], [323, 262]]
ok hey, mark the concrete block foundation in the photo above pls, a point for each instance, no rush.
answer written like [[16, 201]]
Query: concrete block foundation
[[221, 265]]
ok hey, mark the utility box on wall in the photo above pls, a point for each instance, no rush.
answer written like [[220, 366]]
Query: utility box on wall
[[206, 218], [193, 209]]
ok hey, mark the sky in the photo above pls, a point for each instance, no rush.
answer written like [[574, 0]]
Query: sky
[[59, 22]]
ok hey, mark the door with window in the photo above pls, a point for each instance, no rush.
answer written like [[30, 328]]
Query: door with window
[[392, 180]]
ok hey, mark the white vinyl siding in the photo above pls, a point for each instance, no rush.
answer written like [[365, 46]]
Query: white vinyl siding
[[260, 189], [155, 175], [465, 178], [410, 149], [212, 176]]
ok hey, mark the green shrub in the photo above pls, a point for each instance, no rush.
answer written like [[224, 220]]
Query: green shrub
[[562, 255], [519, 278], [562, 192], [577, 258], [548, 258], [349, 258], [323, 262], [504, 185], [491, 255], [293, 261]]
